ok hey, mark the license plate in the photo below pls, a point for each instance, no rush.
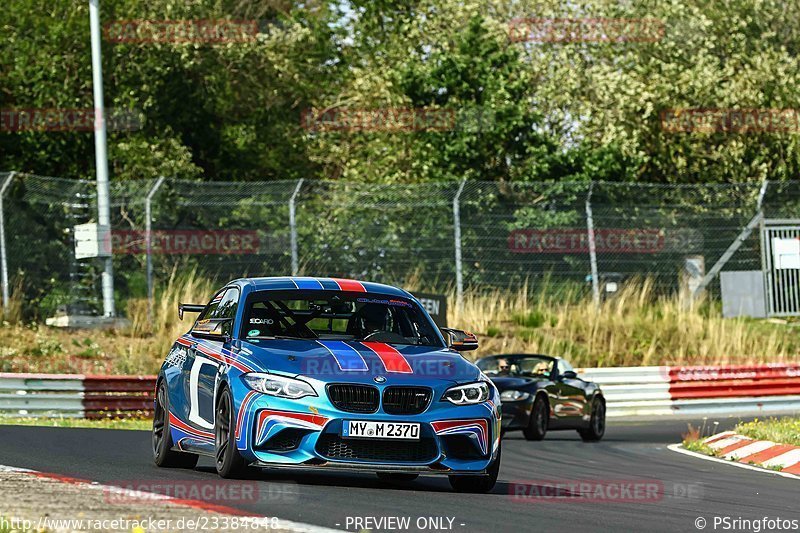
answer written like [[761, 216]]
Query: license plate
[[380, 430]]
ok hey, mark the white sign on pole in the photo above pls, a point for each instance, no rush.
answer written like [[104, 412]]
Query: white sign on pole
[[92, 240], [786, 253]]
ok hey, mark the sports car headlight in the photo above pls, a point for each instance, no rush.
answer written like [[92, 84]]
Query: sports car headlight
[[468, 394], [279, 386], [513, 396]]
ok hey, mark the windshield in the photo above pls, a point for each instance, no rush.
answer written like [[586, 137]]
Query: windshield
[[531, 366], [337, 315]]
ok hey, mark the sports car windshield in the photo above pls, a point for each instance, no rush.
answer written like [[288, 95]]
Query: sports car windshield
[[517, 366], [337, 315]]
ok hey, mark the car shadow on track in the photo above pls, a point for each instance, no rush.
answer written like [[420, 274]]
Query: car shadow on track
[[350, 480]]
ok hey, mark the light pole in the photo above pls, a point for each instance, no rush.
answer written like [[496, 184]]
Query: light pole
[[101, 157]]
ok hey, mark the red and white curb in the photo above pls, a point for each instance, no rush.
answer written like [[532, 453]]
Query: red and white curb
[[283, 525], [741, 451]]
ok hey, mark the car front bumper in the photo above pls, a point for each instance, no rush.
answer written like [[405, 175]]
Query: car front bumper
[[307, 433]]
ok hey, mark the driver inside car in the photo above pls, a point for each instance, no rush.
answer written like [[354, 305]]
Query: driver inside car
[[370, 319]]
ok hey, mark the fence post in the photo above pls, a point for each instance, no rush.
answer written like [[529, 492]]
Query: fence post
[[148, 243], [736, 244], [592, 248], [457, 239], [293, 228], [3, 255]]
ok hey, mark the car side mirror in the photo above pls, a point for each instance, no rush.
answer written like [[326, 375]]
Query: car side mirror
[[569, 374], [212, 329], [460, 340], [189, 308]]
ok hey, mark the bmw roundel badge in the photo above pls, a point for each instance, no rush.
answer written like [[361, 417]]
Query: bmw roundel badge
[[379, 379]]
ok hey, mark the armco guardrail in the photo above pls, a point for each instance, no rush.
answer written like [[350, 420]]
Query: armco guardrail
[[649, 391], [75, 395], [630, 392]]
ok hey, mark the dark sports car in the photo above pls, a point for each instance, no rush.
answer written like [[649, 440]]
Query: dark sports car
[[539, 393]]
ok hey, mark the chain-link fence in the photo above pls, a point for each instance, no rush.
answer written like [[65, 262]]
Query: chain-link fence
[[457, 236]]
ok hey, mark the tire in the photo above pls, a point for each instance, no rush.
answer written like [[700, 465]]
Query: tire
[[537, 423], [478, 484], [597, 423], [227, 460], [396, 477], [163, 454]]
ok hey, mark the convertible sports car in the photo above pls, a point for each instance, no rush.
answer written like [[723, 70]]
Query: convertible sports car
[[540, 393], [326, 373]]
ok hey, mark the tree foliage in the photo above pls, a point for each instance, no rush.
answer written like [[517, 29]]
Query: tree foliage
[[525, 110]]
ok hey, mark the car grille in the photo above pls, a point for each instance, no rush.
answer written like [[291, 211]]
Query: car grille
[[354, 398], [334, 447], [406, 400]]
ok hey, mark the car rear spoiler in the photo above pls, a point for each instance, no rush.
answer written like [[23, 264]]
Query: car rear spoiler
[[191, 308]]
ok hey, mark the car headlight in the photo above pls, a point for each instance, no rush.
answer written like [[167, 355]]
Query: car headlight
[[468, 394], [279, 386], [513, 396]]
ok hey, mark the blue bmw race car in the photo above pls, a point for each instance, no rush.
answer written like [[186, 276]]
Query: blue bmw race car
[[326, 373]]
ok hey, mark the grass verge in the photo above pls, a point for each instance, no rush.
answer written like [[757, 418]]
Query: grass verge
[[780, 430], [115, 423]]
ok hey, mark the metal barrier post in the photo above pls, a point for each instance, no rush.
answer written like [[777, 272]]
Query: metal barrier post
[[148, 240], [736, 244], [592, 247], [457, 238], [293, 228], [3, 255]]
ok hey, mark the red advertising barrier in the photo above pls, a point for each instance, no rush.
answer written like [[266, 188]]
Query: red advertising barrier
[[734, 381], [185, 242], [118, 395]]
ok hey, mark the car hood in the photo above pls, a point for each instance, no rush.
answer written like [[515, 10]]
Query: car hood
[[513, 382], [351, 361]]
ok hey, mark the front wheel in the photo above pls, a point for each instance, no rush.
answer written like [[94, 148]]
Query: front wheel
[[228, 462], [537, 423], [163, 454], [597, 423], [481, 484]]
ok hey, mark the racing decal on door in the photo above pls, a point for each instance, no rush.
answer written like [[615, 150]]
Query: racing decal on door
[[393, 360], [181, 431], [477, 427]]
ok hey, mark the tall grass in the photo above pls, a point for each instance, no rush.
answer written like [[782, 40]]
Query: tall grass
[[12, 313], [152, 336], [635, 327]]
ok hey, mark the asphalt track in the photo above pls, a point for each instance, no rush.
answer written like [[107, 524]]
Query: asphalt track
[[687, 487]]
